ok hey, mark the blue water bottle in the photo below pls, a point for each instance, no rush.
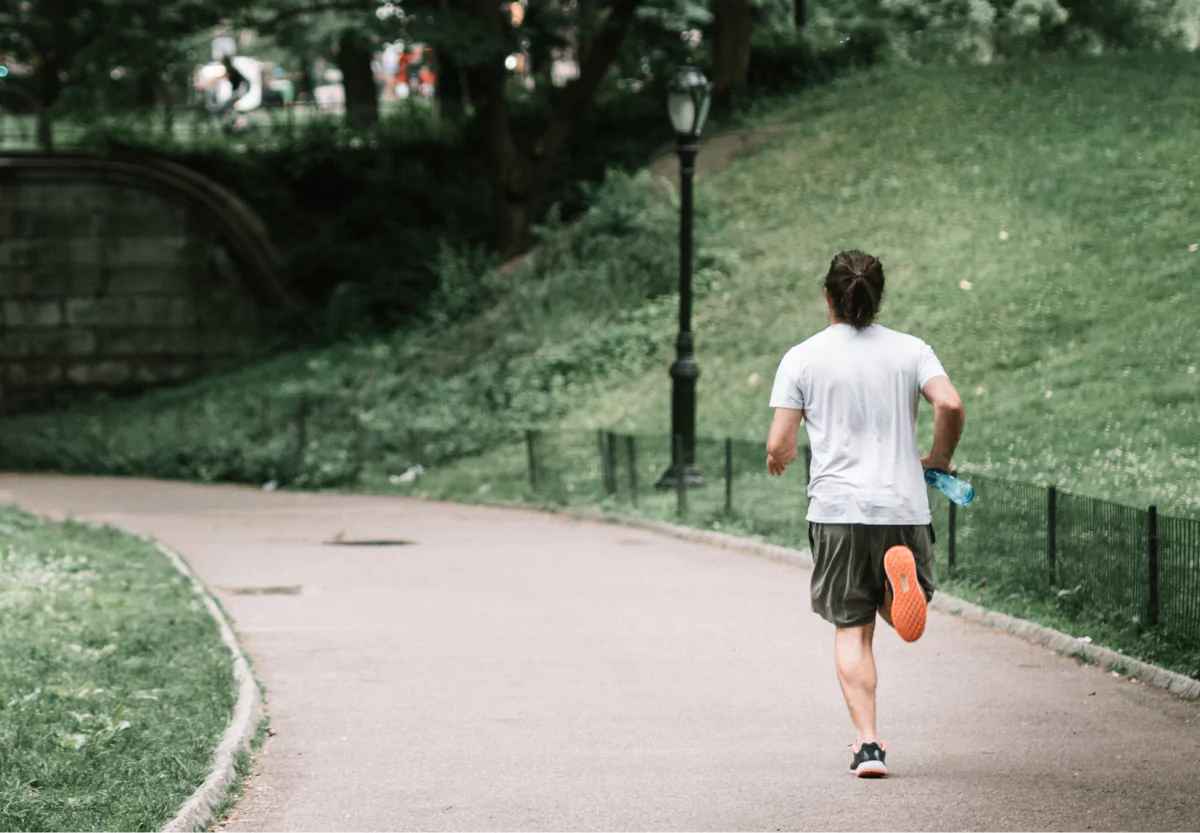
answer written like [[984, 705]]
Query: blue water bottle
[[959, 491]]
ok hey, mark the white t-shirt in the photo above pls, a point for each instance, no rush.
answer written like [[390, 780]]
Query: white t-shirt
[[859, 392]]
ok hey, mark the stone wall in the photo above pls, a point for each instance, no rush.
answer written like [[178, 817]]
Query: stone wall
[[107, 285]]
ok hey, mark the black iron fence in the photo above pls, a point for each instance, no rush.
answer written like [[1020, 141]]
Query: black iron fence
[[1133, 569]]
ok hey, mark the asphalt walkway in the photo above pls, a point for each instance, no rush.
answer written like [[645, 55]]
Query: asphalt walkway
[[508, 670]]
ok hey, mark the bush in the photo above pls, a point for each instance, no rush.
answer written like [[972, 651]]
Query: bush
[[783, 60], [364, 218], [508, 350], [931, 31]]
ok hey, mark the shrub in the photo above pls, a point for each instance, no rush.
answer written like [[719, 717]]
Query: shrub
[[930, 31], [783, 60]]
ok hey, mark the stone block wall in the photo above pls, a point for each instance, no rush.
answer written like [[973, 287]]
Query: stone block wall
[[109, 286]]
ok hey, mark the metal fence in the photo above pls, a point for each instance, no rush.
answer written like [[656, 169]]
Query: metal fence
[[1131, 568]]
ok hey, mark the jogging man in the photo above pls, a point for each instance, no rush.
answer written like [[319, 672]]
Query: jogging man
[[855, 385]]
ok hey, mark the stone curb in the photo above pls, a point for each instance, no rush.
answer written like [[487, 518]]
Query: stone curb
[[1171, 681], [196, 812]]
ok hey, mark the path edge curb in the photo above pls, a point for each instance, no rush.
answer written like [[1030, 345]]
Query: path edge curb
[[196, 813], [1070, 646]]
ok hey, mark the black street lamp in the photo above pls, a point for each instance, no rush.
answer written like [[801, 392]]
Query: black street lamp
[[688, 97]]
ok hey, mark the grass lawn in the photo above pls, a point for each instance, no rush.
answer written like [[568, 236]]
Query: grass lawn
[[115, 686], [1038, 226]]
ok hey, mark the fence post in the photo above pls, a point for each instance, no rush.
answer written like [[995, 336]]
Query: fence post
[[728, 475], [265, 417], [807, 464], [631, 460], [1052, 533], [1152, 594], [533, 480], [607, 475], [181, 432], [610, 462], [680, 479], [301, 432], [951, 531], [360, 438], [603, 462]]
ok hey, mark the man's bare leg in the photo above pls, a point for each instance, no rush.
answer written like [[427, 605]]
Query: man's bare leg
[[885, 609], [852, 652]]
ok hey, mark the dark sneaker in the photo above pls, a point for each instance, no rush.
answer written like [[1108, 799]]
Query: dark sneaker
[[868, 761]]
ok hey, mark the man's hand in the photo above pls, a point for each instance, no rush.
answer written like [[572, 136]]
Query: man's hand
[[931, 462], [775, 466]]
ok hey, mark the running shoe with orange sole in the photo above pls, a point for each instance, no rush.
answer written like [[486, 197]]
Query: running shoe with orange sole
[[908, 597]]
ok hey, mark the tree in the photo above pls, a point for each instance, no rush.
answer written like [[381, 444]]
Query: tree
[[732, 22], [518, 179], [354, 54], [79, 44], [48, 35], [348, 31]]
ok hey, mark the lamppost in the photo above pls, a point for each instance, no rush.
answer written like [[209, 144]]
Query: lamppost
[[688, 97]]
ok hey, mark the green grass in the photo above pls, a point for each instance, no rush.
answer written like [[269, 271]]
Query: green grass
[[1147, 645], [115, 686], [1075, 346]]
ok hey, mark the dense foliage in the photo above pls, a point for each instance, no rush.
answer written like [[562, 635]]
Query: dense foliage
[[362, 216], [984, 30], [504, 348]]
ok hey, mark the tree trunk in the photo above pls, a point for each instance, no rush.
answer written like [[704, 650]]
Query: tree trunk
[[451, 86], [49, 88], [586, 30], [146, 91], [306, 87], [732, 20], [45, 130], [509, 171], [358, 79], [800, 11], [57, 55], [451, 89], [519, 182]]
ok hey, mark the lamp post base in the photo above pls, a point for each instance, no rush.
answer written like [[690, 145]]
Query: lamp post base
[[692, 478]]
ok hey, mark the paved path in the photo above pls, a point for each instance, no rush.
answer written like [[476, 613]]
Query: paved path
[[510, 670]]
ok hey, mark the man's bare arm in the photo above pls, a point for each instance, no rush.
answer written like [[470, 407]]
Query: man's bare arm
[[948, 418], [781, 442]]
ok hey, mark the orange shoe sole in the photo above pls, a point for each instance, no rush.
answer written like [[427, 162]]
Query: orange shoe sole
[[908, 597]]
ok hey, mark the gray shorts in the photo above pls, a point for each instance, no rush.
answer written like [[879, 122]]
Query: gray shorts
[[848, 582]]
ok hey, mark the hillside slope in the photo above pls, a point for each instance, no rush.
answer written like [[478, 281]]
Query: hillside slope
[[1035, 222], [1038, 226]]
